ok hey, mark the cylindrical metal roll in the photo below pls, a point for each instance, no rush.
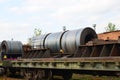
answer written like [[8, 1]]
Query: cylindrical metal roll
[[53, 41], [11, 47], [72, 39], [68, 41], [38, 42], [0, 46]]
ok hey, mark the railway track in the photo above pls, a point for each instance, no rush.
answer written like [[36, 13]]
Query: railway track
[[74, 77], [10, 78]]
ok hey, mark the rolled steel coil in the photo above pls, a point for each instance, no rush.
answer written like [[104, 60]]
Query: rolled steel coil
[[67, 41], [38, 41], [11, 47], [0, 46], [72, 39], [53, 41]]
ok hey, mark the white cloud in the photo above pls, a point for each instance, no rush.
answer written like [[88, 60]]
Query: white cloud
[[83, 8], [1, 1], [51, 15], [25, 9], [17, 31]]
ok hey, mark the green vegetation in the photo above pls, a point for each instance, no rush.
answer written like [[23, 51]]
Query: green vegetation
[[37, 32], [90, 77], [110, 27]]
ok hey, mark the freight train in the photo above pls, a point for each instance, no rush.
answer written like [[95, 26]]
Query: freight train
[[61, 53]]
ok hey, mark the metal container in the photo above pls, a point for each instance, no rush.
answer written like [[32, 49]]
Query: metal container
[[11, 47], [38, 41], [72, 39], [53, 41]]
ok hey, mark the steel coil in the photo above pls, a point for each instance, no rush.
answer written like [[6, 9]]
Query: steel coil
[[72, 39], [0, 46], [53, 41], [11, 47], [38, 41], [67, 41]]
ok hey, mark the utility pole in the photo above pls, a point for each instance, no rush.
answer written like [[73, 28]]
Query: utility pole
[[64, 28], [94, 26], [12, 39]]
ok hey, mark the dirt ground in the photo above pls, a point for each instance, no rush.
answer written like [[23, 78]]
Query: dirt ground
[[9, 78]]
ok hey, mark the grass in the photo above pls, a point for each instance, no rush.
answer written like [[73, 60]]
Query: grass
[[76, 77], [90, 77]]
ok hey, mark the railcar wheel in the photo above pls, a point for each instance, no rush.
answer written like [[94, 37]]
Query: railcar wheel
[[27, 74], [2, 71], [48, 75], [7, 72], [67, 75]]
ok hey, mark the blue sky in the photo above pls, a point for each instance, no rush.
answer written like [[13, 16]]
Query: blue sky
[[19, 18]]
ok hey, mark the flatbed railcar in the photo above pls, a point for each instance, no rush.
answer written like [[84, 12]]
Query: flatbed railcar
[[63, 53]]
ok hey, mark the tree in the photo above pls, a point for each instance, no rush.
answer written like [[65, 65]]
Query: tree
[[37, 32], [111, 27]]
